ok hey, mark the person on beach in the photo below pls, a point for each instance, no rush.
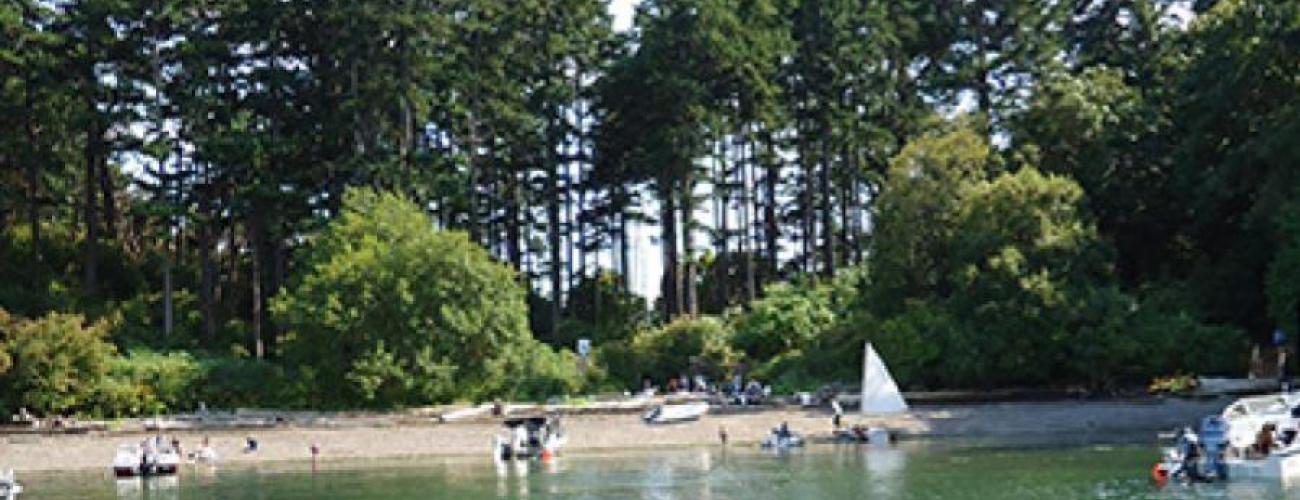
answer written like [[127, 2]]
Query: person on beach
[[722, 434], [838, 413]]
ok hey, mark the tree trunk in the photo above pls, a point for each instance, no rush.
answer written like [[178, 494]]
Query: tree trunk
[[691, 299], [672, 285], [207, 237], [257, 239], [746, 220], [33, 163], [90, 204], [771, 229], [827, 206], [514, 247], [110, 203], [553, 240]]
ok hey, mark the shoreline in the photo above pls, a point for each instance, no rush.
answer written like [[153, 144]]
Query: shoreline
[[367, 439]]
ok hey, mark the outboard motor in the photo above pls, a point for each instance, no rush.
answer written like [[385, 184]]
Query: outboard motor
[[1214, 443]]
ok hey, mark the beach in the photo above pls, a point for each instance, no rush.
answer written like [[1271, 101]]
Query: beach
[[365, 438]]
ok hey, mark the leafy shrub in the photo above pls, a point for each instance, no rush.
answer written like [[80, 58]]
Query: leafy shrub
[[389, 312], [55, 364], [148, 382], [685, 346], [788, 317]]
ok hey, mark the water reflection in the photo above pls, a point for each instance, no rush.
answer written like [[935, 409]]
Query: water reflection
[[160, 487], [822, 471]]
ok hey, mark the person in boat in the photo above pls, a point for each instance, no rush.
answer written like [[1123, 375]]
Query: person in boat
[[1264, 441], [783, 431]]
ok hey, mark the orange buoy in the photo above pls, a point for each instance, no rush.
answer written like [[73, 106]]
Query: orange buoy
[[1159, 474]]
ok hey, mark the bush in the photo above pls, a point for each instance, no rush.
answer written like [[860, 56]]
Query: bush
[[55, 364], [540, 372], [240, 382], [787, 318], [388, 312], [686, 345], [148, 382]]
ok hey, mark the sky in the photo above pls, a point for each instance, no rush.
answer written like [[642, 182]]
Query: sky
[[622, 10]]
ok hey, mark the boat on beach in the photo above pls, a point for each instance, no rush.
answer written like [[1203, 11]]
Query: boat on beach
[[673, 413]]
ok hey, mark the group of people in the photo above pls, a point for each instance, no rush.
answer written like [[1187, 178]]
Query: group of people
[[682, 383], [157, 444], [739, 391]]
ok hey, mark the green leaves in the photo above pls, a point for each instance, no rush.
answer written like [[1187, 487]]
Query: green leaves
[[394, 313]]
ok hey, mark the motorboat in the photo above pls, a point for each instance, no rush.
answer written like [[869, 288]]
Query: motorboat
[[528, 437], [1252, 438], [1246, 416], [673, 413], [133, 460], [9, 487]]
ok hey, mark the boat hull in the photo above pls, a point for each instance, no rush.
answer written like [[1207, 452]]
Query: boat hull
[[1284, 468], [671, 414]]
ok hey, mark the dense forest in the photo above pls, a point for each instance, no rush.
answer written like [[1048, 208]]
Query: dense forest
[[381, 203]]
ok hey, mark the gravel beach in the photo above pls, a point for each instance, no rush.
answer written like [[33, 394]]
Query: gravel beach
[[371, 438]]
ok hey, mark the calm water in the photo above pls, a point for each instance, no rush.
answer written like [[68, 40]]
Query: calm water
[[912, 471]]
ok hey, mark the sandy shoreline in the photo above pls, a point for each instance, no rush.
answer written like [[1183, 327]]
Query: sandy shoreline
[[1098, 419]]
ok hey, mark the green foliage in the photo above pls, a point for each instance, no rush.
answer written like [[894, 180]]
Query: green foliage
[[147, 382], [600, 308], [539, 372], [791, 317], [55, 363], [686, 345], [1283, 279], [388, 311]]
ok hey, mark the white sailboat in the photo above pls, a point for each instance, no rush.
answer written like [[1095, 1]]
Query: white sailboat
[[880, 395]]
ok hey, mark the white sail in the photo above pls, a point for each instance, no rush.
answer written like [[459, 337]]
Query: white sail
[[879, 392]]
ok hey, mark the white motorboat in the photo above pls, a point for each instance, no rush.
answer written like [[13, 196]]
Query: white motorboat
[[1246, 416], [531, 437], [667, 414], [9, 487], [135, 460], [1253, 438]]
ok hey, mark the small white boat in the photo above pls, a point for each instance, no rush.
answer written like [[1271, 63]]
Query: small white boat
[[667, 414], [780, 442], [9, 487], [133, 460]]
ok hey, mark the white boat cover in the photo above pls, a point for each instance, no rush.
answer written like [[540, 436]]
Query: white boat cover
[[880, 394]]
